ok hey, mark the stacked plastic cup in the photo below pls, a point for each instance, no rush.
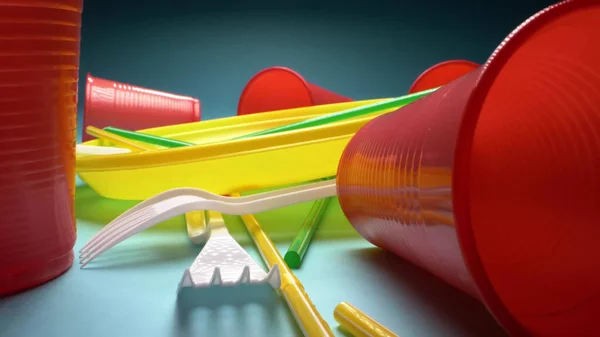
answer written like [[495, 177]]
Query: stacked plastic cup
[[130, 107], [279, 88], [39, 61], [492, 182]]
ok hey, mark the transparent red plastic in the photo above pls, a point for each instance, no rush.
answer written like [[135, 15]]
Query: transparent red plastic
[[39, 63], [492, 182], [280, 88], [129, 107]]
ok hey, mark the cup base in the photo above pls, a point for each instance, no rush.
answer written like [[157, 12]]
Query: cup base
[[35, 274]]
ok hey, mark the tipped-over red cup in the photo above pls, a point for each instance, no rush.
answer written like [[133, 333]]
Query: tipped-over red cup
[[442, 73], [280, 88], [125, 106], [492, 182]]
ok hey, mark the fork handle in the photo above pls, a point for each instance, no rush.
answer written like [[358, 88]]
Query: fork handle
[[287, 198]]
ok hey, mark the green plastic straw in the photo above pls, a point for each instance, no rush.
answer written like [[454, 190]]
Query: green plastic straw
[[299, 246], [345, 114], [146, 138], [295, 254]]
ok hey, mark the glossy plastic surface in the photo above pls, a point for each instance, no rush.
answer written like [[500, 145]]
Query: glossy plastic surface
[[492, 182], [299, 246], [442, 73], [358, 323], [293, 157], [39, 64], [119, 140], [110, 103], [147, 139], [279, 88], [344, 115], [223, 262], [309, 319]]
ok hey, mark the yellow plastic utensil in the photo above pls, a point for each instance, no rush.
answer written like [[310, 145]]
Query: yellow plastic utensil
[[310, 321], [358, 323], [293, 157], [196, 222], [122, 141]]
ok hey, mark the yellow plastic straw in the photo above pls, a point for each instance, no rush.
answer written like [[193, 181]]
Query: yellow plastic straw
[[307, 316], [358, 323], [122, 141]]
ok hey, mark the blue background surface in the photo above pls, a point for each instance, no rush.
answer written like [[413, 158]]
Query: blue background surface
[[208, 50]]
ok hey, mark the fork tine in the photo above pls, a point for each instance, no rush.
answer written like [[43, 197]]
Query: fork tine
[[148, 202], [163, 209], [114, 228], [144, 221], [145, 218]]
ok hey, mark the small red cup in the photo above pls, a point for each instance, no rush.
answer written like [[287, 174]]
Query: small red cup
[[279, 88], [110, 103]]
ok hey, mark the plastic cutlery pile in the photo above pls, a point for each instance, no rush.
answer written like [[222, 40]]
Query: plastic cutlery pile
[[222, 261]]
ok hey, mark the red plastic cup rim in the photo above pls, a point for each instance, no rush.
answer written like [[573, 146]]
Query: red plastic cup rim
[[72, 5], [463, 154], [442, 73], [40, 15], [302, 90]]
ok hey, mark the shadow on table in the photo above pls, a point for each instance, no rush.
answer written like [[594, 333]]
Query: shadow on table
[[244, 300], [280, 224], [437, 300], [153, 254]]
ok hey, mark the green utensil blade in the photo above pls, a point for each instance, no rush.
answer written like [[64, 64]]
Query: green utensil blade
[[146, 138], [345, 114]]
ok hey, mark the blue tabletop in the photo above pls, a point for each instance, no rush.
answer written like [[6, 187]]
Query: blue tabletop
[[131, 289]]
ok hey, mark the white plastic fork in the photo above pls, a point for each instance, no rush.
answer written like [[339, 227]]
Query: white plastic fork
[[181, 200], [223, 262]]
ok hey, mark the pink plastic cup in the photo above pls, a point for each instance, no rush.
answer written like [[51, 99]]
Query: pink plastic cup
[[125, 106], [280, 88]]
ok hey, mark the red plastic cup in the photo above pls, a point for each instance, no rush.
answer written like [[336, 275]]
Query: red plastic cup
[[280, 88], [125, 106], [38, 109], [492, 182], [442, 73]]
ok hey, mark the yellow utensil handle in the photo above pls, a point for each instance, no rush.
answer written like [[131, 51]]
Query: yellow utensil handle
[[196, 223], [124, 142], [306, 314], [358, 323]]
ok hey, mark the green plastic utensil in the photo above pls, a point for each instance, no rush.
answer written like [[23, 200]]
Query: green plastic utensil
[[321, 120], [146, 138], [295, 254], [299, 246], [345, 114]]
